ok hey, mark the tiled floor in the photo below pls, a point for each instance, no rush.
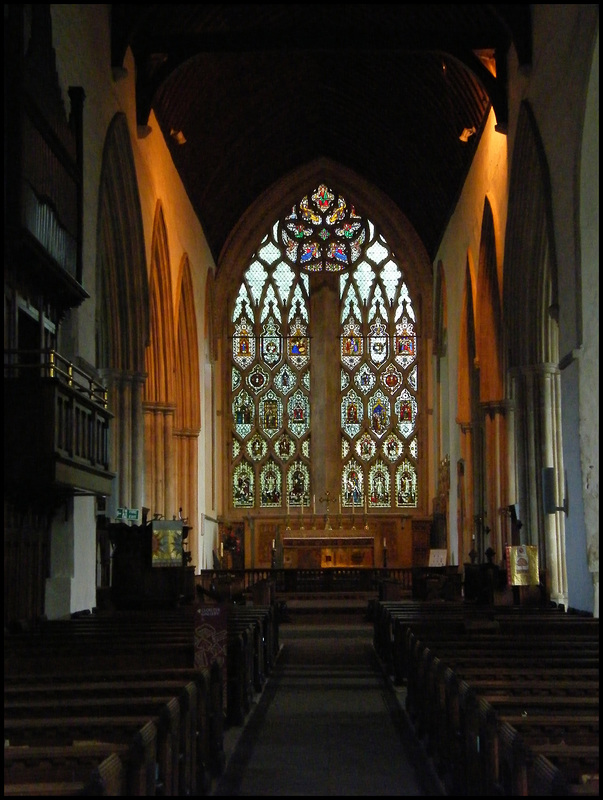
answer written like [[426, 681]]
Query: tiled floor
[[328, 722]]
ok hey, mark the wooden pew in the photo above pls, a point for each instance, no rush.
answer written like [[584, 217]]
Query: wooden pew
[[205, 702], [97, 770], [122, 694], [467, 751], [165, 710], [521, 765], [139, 643], [140, 734]]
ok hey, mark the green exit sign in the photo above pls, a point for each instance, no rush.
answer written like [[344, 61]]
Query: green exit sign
[[128, 513]]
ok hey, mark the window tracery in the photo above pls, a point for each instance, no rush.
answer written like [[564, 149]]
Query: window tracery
[[272, 363]]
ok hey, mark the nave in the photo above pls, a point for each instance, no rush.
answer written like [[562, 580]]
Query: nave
[[328, 722]]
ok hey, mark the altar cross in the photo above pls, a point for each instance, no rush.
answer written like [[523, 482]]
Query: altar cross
[[326, 499]]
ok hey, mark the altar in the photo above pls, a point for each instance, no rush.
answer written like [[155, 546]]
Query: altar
[[316, 549]]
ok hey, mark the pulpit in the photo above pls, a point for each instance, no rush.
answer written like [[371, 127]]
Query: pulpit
[[150, 567]]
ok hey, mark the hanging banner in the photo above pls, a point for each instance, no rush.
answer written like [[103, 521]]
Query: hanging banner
[[210, 640], [522, 565], [167, 543]]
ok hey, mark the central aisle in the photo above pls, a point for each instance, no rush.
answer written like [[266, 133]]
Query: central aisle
[[327, 723]]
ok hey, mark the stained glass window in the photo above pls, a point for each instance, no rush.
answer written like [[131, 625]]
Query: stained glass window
[[270, 382], [270, 399], [379, 357]]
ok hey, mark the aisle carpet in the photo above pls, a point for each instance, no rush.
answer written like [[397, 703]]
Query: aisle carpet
[[327, 723]]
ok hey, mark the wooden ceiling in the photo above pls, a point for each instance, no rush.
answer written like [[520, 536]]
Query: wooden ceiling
[[258, 91]]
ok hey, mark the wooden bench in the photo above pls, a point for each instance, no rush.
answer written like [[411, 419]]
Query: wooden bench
[[525, 670], [98, 770], [165, 710], [576, 764], [140, 734], [123, 693], [203, 688]]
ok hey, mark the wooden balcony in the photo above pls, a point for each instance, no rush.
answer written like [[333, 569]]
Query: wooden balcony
[[56, 427]]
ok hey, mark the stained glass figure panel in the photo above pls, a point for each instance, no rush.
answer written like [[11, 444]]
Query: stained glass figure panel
[[271, 413], [243, 344], [406, 485], [352, 345], [364, 378], [284, 447], [392, 448], [405, 343], [379, 413], [285, 380], [270, 484], [298, 484], [352, 485], [257, 447], [352, 413], [379, 485], [298, 410], [243, 411], [243, 485], [271, 343], [365, 447], [298, 344], [406, 412]]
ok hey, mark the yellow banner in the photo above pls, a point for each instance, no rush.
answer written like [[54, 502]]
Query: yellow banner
[[522, 565]]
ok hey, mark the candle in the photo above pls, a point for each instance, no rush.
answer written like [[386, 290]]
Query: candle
[[365, 504], [273, 543], [340, 504], [384, 543], [314, 503], [287, 504], [221, 549], [302, 505]]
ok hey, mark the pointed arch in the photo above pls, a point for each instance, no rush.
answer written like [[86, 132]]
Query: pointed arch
[[370, 201], [123, 296], [442, 415], [390, 288], [468, 419], [489, 345], [160, 390], [187, 423], [530, 311]]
